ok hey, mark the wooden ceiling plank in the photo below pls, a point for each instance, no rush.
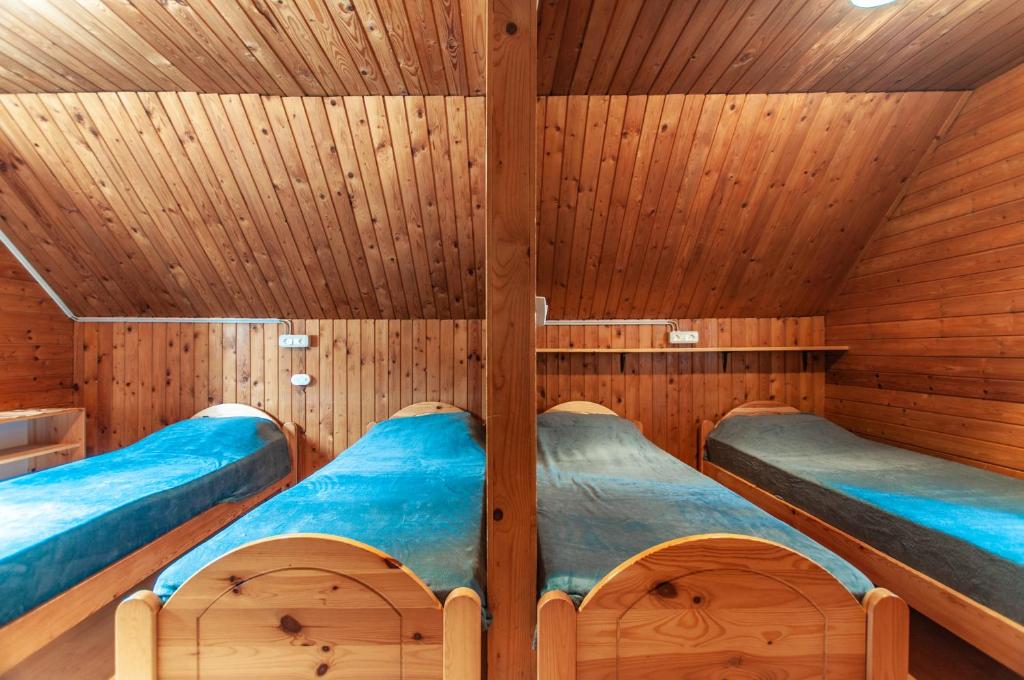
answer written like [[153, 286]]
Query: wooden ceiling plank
[[754, 53], [582, 228], [633, 121], [553, 112], [390, 34], [601, 13], [337, 116], [715, 45], [438, 56], [736, 47], [641, 38], [458, 153], [692, 33], [474, 35], [22, 51], [295, 40], [575, 28], [20, 78], [440, 153], [551, 26], [290, 231], [613, 47], [32, 196], [379, 76], [993, 163], [218, 140], [453, 43], [419, 142], [346, 67], [366, 155], [1001, 57], [197, 140], [318, 192], [668, 36], [476, 126], [346, 243], [602, 205], [379, 125], [228, 259]]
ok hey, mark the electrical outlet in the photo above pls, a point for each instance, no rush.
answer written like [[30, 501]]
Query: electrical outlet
[[293, 341], [683, 337]]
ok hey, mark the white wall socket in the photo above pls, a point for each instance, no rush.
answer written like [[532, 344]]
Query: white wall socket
[[683, 337], [293, 341]]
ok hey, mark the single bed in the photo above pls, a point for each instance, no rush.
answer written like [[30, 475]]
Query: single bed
[[651, 570], [75, 537], [947, 537], [344, 575]]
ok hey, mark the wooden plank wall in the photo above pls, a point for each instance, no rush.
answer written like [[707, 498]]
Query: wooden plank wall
[[36, 342], [670, 393], [186, 205], [135, 378], [934, 310], [717, 206]]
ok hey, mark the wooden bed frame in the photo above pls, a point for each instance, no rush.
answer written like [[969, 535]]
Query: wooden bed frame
[[37, 628], [298, 606], [702, 606], [986, 629]]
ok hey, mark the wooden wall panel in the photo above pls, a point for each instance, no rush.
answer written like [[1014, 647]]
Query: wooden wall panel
[[670, 393], [36, 342], [717, 206], [209, 206], [306, 47], [934, 310], [136, 378], [744, 46]]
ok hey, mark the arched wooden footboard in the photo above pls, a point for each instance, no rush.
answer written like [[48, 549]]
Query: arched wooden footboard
[[721, 606], [300, 606]]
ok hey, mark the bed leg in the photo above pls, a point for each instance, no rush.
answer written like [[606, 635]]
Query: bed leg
[[556, 637], [888, 635], [135, 637], [462, 635]]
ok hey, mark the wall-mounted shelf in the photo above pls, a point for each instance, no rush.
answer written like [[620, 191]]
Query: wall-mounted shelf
[[688, 350], [34, 439]]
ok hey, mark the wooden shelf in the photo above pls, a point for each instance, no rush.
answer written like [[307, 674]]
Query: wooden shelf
[[28, 451], [35, 439], [688, 350]]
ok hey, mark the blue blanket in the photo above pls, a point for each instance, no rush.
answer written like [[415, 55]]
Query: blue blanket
[[411, 487], [62, 525], [958, 524], [606, 493]]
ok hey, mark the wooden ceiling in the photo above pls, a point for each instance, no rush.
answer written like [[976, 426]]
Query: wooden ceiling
[[208, 205], [685, 206], [300, 47], [745, 46]]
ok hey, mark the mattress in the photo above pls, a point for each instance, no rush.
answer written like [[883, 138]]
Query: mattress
[[61, 525], [606, 493], [959, 524], [411, 487]]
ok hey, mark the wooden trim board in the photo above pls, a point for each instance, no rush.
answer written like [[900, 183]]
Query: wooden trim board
[[975, 623], [37, 628]]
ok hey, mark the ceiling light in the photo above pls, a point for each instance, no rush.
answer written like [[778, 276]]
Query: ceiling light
[[870, 3]]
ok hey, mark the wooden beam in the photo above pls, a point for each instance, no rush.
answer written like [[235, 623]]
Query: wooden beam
[[511, 336]]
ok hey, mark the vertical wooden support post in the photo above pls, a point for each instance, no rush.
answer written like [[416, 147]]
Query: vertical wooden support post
[[462, 635], [135, 637], [511, 336], [556, 637], [888, 635]]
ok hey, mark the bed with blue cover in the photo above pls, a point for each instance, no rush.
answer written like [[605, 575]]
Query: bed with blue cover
[[958, 524], [606, 493], [62, 525], [411, 487]]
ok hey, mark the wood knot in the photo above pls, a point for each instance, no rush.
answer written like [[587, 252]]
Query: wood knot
[[665, 589], [322, 669], [511, 28], [417, 636], [697, 599], [498, 514], [290, 625]]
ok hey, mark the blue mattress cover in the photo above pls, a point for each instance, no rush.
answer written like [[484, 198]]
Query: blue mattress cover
[[959, 524], [606, 493], [61, 525], [411, 487]]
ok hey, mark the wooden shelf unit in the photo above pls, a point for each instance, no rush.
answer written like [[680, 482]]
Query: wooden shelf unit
[[688, 350], [36, 439]]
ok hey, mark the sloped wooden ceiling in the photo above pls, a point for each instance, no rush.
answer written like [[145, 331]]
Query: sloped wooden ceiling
[[298, 47], [744, 46], [686, 206], [208, 205]]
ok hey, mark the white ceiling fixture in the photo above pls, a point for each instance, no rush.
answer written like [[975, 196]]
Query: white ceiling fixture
[[870, 3]]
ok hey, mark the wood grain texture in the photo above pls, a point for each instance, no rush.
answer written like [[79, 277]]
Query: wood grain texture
[[36, 343], [306, 47], [208, 206], [933, 312], [511, 339], [363, 371], [744, 46], [705, 206], [670, 394]]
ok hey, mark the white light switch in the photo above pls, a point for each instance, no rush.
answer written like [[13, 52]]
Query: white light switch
[[293, 341], [683, 337]]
